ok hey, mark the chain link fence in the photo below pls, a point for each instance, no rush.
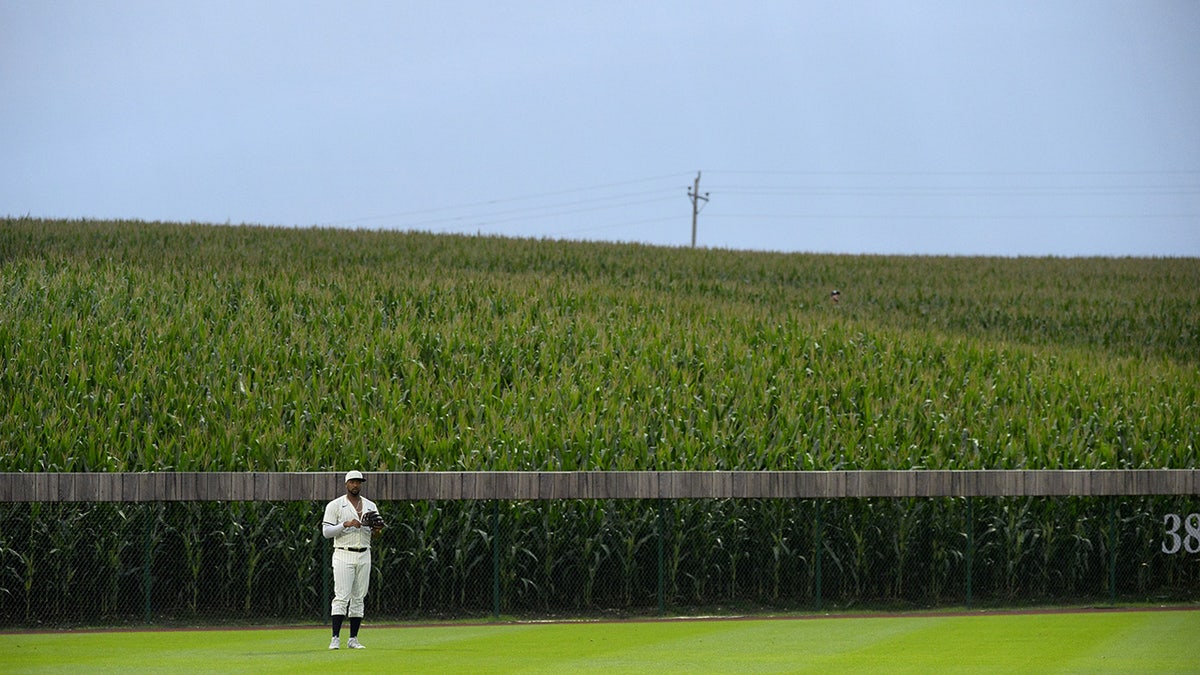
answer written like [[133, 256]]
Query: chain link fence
[[72, 564]]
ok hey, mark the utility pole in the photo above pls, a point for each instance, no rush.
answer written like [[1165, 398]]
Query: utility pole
[[696, 197]]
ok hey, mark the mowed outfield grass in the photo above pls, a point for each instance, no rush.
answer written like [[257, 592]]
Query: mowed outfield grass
[[1155, 641]]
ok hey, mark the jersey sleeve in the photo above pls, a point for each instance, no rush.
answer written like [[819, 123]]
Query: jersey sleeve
[[331, 525], [331, 514]]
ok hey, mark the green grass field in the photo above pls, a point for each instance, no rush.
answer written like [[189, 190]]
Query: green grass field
[[1072, 642]]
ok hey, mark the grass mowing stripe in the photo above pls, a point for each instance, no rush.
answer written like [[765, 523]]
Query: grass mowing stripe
[[1167, 644], [984, 643], [1125, 641]]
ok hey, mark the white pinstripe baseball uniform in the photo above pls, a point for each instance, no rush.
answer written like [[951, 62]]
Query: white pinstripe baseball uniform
[[351, 554]]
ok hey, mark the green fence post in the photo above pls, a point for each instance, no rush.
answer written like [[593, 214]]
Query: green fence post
[[819, 545], [1112, 550], [970, 545], [496, 559], [147, 560], [326, 572], [662, 576]]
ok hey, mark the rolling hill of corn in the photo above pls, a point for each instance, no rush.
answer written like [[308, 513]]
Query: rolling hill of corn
[[129, 346]]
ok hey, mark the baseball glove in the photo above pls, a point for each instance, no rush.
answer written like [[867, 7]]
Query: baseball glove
[[373, 520]]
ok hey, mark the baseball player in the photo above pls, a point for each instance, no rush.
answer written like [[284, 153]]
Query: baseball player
[[350, 521]]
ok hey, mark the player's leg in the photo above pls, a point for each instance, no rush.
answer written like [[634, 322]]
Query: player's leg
[[362, 580], [343, 586], [343, 583], [359, 583]]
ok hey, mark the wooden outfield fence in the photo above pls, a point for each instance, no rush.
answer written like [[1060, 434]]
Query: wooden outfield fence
[[539, 485]]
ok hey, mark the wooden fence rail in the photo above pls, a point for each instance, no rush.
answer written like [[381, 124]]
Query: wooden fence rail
[[521, 485]]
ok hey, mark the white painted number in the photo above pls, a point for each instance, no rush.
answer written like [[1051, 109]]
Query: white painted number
[[1189, 541]]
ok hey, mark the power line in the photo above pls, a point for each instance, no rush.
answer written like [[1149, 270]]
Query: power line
[[504, 200], [1165, 172], [935, 191], [488, 220], [562, 208], [613, 226], [976, 216], [775, 195]]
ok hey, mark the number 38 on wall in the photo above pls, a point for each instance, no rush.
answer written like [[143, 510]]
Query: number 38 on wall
[[1189, 541]]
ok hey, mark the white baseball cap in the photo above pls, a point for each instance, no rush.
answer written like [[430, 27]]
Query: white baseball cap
[[354, 475]]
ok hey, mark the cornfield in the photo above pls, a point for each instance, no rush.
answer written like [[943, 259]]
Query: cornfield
[[130, 346]]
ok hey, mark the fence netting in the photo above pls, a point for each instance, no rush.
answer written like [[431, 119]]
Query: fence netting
[[70, 564]]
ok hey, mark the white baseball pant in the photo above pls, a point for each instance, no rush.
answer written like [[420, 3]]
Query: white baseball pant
[[351, 576]]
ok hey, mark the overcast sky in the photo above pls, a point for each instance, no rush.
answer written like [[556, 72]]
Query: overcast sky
[[999, 128]]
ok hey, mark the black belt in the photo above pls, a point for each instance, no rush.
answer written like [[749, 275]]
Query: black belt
[[356, 550]]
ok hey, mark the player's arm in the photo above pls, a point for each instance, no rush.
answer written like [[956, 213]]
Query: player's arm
[[331, 528]]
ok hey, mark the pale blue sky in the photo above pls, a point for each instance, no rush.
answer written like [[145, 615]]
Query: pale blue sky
[[1015, 128]]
